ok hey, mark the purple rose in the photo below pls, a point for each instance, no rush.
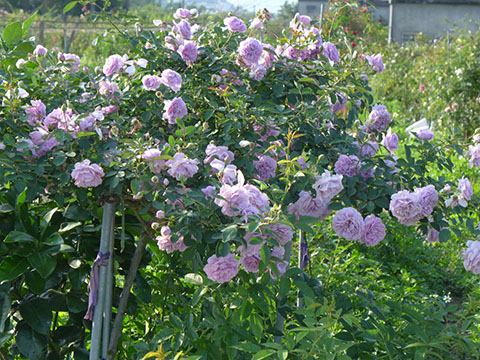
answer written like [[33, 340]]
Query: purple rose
[[283, 233], [474, 153], [428, 198], [328, 186], [425, 134], [37, 112], [87, 123], [184, 29], [472, 257], [151, 82], [236, 198], [209, 191], [266, 167], [108, 89], [181, 167], [182, 13], [40, 51], [346, 165], [229, 174], [405, 206], [221, 269], [258, 201], [308, 206], [188, 51], [390, 141], [348, 223], [250, 256], [164, 241], [172, 79], [87, 175], [376, 62], [330, 52], [250, 50], [113, 65], [465, 191], [218, 152], [368, 149], [153, 157], [379, 119], [374, 231], [257, 72], [58, 119], [72, 60], [174, 109], [235, 24]]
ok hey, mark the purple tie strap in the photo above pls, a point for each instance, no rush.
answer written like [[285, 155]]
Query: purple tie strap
[[304, 255], [100, 260]]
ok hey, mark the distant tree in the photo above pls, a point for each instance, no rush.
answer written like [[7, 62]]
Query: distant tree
[[282, 19]]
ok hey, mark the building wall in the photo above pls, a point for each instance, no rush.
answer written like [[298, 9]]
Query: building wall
[[412, 18], [430, 19]]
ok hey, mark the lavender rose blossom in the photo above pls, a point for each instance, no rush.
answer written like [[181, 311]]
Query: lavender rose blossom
[[374, 231], [221, 269], [113, 65], [348, 223], [87, 175], [405, 206], [172, 79], [328, 186], [235, 24], [379, 118], [151, 82], [174, 109], [250, 50], [181, 167]]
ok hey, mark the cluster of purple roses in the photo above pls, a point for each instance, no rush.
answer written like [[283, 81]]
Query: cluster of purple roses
[[234, 196]]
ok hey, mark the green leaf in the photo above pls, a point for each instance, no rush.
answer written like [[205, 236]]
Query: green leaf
[[43, 263], [35, 282], [247, 347], [12, 267], [18, 237], [37, 314], [27, 23], [12, 33], [230, 233], [4, 310], [21, 198], [59, 160], [69, 6], [193, 279], [46, 219], [69, 226], [54, 239], [444, 235], [263, 354], [31, 344]]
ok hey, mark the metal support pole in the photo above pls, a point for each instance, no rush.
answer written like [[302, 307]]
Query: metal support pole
[[105, 245], [108, 301], [390, 22]]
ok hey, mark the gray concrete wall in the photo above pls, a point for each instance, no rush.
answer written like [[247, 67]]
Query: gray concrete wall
[[412, 18], [429, 19]]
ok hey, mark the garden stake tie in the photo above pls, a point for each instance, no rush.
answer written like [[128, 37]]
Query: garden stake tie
[[102, 308]]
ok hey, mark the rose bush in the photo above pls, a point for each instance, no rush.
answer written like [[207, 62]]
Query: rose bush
[[244, 145]]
